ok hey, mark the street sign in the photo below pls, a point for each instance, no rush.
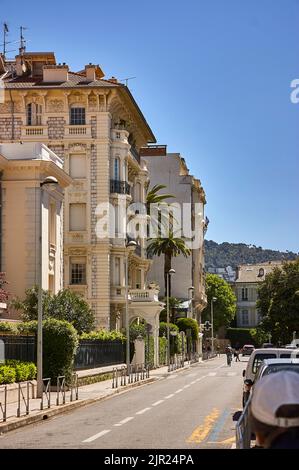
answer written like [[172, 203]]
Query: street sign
[[207, 325]]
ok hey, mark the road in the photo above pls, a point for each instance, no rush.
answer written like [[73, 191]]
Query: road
[[191, 409]]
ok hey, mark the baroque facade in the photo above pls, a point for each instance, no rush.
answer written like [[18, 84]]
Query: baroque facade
[[95, 126]]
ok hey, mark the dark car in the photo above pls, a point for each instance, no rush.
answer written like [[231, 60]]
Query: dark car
[[247, 349]]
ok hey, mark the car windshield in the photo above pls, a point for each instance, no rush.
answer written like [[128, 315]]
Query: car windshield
[[278, 367], [259, 359]]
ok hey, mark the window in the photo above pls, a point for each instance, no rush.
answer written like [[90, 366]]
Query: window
[[77, 116], [259, 359], [34, 114], [116, 169], [77, 220], [125, 170], [245, 317], [78, 166], [117, 271], [244, 293], [78, 271]]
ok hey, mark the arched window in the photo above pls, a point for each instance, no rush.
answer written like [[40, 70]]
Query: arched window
[[77, 115], [116, 169], [34, 114]]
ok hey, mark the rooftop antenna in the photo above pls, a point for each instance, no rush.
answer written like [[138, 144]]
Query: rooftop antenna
[[22, 47], [127, 79], [5, 32]]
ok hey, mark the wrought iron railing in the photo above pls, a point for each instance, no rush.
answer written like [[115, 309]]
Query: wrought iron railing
[[96, 353], [120, 187]]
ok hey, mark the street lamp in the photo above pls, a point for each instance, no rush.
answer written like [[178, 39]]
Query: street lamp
[[131, 245], [190, 292], [50, 184], [170, 272], [214, 299]]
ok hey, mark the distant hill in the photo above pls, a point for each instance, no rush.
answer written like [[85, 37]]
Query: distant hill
[[233, 254]]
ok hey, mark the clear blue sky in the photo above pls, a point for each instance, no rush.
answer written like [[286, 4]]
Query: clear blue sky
[[213, 80]]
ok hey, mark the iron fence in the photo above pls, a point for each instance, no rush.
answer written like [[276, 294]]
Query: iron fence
[[243, 429], [21, 348], [97, 353]]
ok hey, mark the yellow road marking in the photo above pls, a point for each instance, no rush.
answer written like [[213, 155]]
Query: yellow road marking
[[202, 431]]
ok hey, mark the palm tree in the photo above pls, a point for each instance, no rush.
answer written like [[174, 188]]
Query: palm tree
[[170, 247], [153, 197]]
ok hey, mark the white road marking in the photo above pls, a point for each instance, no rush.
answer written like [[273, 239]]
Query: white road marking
[[157, 402], [142, 411], [187, 386], [96, 436], [194, 381], [211, 374], [191, 375], [126, 420], [179, 390], [169, 396], [172, 376], [231, 374]]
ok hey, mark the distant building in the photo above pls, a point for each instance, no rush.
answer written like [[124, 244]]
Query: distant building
[[228, 273], [249, 276]]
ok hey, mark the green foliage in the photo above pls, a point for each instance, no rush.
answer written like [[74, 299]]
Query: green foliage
[[278, 302], [23, 370], [7, 375], [233, 254], [66, 305], [6, 327], [174, 304], [225, 306], [240, 336], [60, 344], [104, 335], [162, 351], [163, 328], [259, 335], [185, 324], [137, 330]]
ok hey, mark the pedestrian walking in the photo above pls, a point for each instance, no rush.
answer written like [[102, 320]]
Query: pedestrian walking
[[274, 411], [218, 350], [229, 355], [237, 353]]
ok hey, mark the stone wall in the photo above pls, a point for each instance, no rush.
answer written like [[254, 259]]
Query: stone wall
[[56, 128]]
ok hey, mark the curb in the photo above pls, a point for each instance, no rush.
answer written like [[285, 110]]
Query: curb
[[48, 413]]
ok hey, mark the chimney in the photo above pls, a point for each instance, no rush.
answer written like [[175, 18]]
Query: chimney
[[55, 73], [113, 80], [90, 72]]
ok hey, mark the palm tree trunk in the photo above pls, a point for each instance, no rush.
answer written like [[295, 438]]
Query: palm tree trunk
[[167, 267]]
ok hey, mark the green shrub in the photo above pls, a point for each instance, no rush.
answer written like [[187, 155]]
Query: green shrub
[[104, 335], [185, 324], [240, 336], [6, 327], [162, 351], [7, 375], [23, 370], [163, 329]]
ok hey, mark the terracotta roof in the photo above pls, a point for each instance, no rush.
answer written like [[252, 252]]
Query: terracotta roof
[[74, 80]]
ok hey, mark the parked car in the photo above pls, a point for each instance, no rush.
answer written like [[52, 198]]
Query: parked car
[[267, 345], [244, 434], [256, 358], [247, 349]]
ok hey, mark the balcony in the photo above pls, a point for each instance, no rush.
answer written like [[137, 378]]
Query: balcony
[[33, 132], [144, 295], [135, 154], [120, 187], [81, 131]]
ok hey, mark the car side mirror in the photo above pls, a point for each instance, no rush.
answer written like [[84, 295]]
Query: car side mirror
[[243, 373]]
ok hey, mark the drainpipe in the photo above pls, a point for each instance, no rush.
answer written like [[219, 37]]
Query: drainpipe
[[12, 109]]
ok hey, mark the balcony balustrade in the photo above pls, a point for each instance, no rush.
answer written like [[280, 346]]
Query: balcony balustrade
[[120, 187]]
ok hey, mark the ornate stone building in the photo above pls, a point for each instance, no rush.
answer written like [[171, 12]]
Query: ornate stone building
[[95, 126]]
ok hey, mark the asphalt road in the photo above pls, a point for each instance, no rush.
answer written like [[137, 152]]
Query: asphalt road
[[189, 409]]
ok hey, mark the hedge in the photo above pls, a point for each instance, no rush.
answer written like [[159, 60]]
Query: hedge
[[185, 324], [104, 335], [17, 371], [240, 336], [6, 327]]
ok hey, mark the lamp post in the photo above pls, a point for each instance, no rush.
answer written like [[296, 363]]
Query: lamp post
[[214, 299], [130, 245], [50, 183], [170, 272], [190, 292]]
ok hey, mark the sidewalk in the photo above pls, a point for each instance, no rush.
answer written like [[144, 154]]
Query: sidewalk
[[88, 394]]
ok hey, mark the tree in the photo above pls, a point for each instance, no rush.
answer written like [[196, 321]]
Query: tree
[[170, 247], [174, 304], [3, 293], [153, 196], [66, 305], [224, 308], [278, 302]]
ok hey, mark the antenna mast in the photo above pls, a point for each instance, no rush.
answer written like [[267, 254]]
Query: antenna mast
[[22, 47], [5, 31]]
